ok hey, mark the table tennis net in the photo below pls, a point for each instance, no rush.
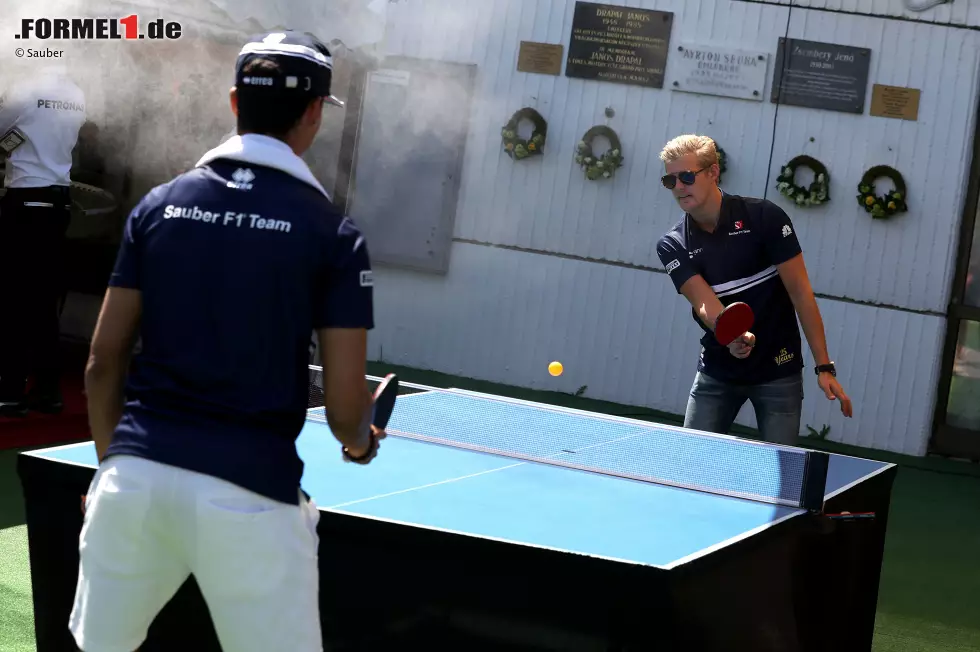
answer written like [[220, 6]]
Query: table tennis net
[[631, 449]]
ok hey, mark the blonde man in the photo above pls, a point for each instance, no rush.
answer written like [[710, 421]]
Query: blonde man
[[729, 248]]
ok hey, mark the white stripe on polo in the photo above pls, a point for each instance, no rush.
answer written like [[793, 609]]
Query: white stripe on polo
[[742, 284]]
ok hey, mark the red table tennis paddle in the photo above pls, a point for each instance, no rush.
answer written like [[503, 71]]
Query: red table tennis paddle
[[733, 322]]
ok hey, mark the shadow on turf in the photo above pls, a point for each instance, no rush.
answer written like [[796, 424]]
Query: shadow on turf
[[17, 626], [11, 496]]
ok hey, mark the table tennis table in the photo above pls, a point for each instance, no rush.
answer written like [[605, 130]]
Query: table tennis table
[[519, 525]]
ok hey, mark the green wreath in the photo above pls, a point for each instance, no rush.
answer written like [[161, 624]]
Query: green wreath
[[518, 148], [722, 162], [818, 192], [601, 167], [893, 201]]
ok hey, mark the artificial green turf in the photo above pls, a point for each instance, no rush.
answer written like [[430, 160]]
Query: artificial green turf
[[16, 609], [930, 584]]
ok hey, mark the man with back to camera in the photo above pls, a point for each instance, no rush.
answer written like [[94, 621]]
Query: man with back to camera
[[40, 118], [729, 248], [224, 272]]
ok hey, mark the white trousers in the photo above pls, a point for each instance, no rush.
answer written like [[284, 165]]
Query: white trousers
[[148, 526]]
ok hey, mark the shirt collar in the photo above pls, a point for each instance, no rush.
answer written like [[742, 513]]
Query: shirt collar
[[724, 217], [266, 151]]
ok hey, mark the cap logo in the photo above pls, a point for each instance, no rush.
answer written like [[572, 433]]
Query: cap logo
[[259, 81], [275, 37], [293, 82]]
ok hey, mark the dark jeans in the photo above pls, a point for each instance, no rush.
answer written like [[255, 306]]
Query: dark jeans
[[33, 223], [713, 406]]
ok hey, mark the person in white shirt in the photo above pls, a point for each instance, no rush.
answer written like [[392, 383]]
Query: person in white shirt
[[40, 117]]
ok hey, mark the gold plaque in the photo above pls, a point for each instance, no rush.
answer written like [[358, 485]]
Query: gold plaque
[[895, 102], [542, 58]]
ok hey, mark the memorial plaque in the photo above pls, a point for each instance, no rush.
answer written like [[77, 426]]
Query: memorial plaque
[[821, 75], [542, 58], [619, 44], [721, 71], [895, 102]]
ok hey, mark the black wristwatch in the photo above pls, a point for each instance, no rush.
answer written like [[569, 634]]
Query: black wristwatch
[[366, 455], [826, 368]]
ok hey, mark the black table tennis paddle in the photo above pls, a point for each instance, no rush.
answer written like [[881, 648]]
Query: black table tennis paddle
[[384, 401], [384, 404], [733, 322]]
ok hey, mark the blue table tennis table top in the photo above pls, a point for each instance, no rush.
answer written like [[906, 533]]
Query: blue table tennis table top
[[422, 484]]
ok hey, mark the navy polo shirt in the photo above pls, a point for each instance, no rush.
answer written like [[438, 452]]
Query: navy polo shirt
[[738, 260], [237, 264]]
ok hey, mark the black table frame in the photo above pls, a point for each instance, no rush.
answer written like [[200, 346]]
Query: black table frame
[[806, 584]]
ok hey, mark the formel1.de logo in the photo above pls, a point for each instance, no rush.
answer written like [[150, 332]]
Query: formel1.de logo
[[96, 29]]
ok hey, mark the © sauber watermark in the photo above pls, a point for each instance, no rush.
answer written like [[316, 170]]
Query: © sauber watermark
[[96, 29], [36, 53]]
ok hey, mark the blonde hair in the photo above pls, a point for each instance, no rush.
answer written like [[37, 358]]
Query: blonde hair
[[702, 146]]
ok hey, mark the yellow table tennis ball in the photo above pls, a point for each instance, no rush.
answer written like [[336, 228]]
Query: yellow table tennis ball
[[555, 368]]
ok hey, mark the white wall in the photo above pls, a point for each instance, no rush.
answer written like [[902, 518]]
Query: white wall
[[502, 314], [954, 12]]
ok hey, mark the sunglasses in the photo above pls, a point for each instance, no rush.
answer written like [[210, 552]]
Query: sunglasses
[[686, 177]]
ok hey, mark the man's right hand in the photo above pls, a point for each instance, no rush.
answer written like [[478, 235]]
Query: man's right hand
[[742, 346]]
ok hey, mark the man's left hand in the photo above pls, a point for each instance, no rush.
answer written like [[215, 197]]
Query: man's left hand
[[832, 389], [742, 346]]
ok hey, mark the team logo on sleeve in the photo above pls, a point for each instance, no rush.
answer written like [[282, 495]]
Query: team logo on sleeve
[[367, 279], [787, 231], [672, 265]]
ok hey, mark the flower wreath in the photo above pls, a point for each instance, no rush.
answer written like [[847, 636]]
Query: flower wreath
[[515, 146], [602, 167], [882, 207], [722, 161], [818, 192]]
